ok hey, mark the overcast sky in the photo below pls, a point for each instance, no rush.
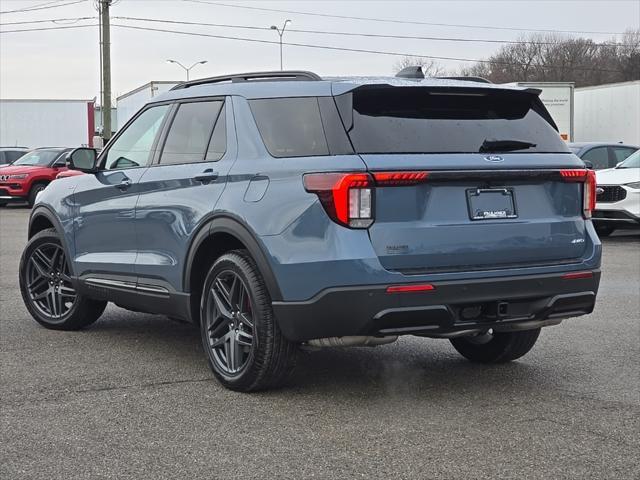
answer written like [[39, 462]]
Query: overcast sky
[[65, 63]]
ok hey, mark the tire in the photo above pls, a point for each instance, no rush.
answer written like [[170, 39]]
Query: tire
[[497, 347], [33, 193], [604, 230], [46, 286], [244, 346]]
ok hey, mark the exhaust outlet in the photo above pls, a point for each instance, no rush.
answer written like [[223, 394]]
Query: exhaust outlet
[[353, 341]]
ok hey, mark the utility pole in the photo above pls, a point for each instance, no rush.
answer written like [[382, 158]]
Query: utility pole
[[105, 51]]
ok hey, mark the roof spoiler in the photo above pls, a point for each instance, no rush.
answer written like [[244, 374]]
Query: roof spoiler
[[468, 79]]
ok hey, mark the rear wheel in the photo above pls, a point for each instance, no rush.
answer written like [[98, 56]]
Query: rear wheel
[[47, 289], [496, 347], [35, 190], [604, 230], [244, 346]]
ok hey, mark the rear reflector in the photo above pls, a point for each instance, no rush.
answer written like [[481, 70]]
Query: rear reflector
[[577, 275], [410, 288], [394, 179]]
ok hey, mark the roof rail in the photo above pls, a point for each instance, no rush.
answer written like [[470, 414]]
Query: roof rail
[[298, 75], [468, 79]]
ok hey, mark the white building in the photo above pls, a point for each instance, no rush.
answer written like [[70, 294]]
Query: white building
[[46, 123]]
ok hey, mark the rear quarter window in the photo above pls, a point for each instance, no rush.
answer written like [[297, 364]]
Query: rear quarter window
[[290, 127]]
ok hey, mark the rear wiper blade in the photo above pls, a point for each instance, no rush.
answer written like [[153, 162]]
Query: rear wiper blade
[[504, 145]]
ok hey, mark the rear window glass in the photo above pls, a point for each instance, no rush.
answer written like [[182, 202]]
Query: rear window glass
[[290, 127], [426, 120]]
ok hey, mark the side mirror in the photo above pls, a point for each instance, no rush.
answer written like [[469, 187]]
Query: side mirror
[[83, 159], [588, 164]]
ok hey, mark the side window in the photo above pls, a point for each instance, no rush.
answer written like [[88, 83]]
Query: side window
[[621, 153], [190, 132], [218, 143], [599, 156], [133, 147], [13, 156], [290, 127]]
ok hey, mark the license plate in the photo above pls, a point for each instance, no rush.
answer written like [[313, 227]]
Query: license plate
[[491, 203]]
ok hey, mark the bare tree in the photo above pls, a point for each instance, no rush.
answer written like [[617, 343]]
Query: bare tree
[[553, 58]]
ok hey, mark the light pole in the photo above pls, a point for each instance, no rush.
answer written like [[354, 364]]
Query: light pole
[[202, 62], [280, 34]]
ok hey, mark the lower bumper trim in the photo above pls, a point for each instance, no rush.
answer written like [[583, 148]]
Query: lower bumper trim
[[505, 304]]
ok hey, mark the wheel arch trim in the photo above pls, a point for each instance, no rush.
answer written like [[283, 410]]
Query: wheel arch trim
[[42, 211], [224, 223]]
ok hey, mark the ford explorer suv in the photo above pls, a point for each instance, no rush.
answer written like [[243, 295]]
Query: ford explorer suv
[[26, 177], [279, 210]]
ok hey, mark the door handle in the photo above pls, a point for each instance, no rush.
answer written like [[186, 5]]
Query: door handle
[[207, 176], [124, 184]]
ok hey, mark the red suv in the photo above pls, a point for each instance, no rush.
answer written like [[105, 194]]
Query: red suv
[[29, 175]]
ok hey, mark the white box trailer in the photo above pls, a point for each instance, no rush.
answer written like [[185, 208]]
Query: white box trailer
[[46, 123], [558, 97], [608, 113], [129, 103]]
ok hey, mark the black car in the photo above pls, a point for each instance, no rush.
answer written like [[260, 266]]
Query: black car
[[11, 154]]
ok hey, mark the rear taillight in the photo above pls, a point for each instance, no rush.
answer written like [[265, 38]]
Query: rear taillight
[[588, 177], [348, 197]]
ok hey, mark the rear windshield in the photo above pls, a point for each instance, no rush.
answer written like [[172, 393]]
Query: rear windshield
[[384, 119]]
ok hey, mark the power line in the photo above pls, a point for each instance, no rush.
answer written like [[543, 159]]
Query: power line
[[319, 32], [42, 29], [321, 47], [350, 34], [345, 49], [389, 20], [43, 6], [52, 20]]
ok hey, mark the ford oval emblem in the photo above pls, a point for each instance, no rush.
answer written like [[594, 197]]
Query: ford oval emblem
[[494, 158]]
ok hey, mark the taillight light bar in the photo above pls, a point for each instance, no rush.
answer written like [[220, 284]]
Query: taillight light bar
[[348, 197], [588, 177]]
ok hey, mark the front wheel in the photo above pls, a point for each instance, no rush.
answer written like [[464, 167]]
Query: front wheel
[[496, 347], [244, 346], [47, 289], [33, 194]]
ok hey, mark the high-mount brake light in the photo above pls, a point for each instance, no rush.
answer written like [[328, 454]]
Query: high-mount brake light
[[390, 179], [588, 178], [346, 197]]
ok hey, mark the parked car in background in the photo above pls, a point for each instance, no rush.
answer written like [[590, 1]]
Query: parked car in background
[[618, 197], [11, 154], [276, 209], [602, 155], [30, 174]]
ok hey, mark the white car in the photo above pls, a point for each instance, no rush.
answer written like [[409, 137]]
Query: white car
[[618, 196]]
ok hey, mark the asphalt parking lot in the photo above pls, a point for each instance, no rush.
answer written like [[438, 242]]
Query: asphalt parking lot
[[132, 397]]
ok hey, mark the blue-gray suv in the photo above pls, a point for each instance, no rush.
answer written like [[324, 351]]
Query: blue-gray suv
[[280, 209]]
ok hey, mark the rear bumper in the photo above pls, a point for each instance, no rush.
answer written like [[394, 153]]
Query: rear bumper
[[616, 218], [510, 303]]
